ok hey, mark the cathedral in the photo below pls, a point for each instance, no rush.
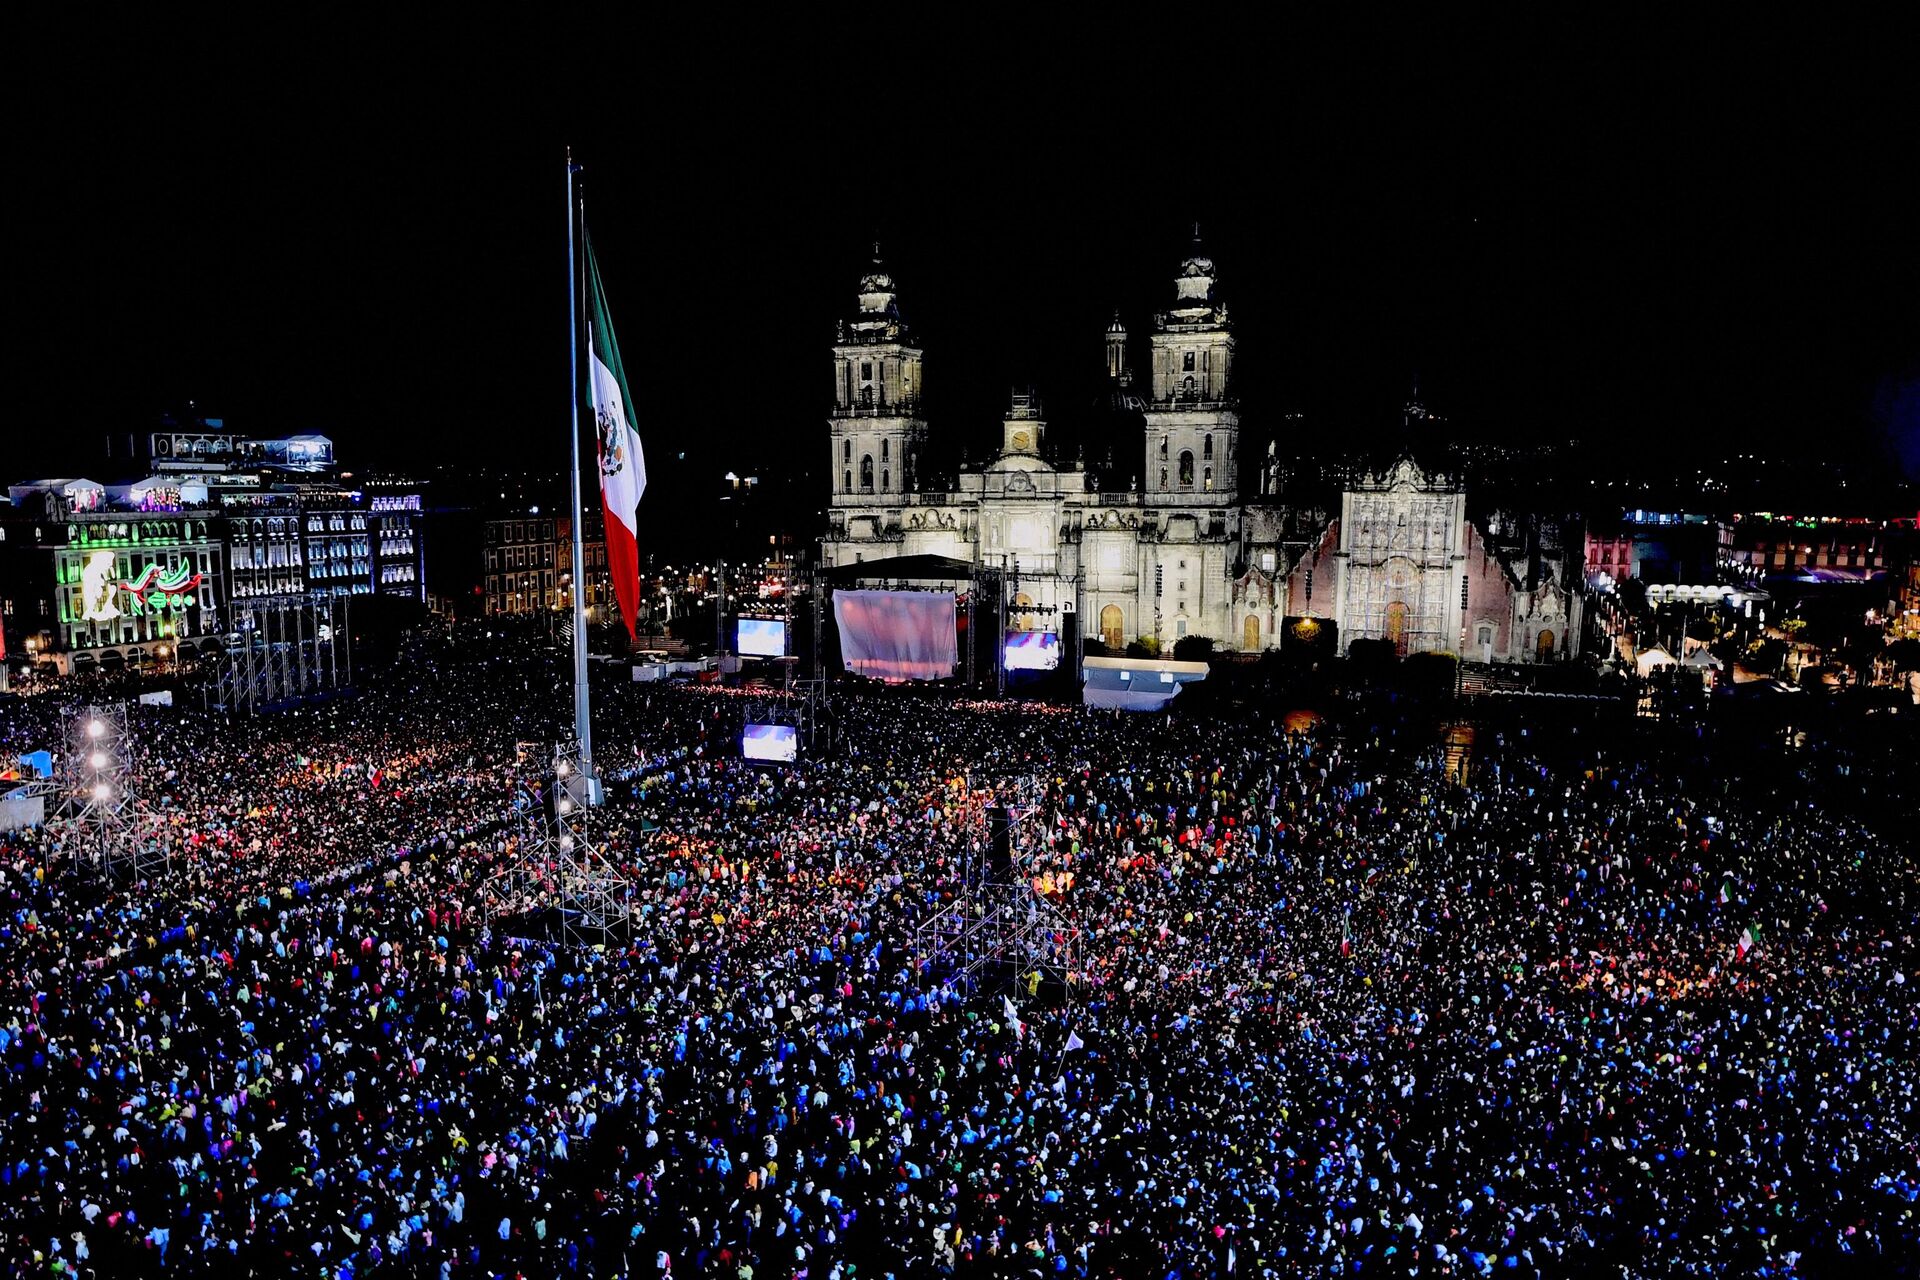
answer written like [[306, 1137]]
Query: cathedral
[[1181, 551]]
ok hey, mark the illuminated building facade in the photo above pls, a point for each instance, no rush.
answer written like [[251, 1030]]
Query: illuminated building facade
[[95, 581], [1180, 552]]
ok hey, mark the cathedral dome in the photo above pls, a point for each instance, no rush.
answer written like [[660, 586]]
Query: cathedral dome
[[1198, 265], [876, 281]]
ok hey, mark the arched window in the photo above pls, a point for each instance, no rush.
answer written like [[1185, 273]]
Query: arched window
[[885, 485], [883, 450], [1187, 388], [846, 451], [1206, 448], [866, 397], [1207, 480], [846, 481], [1163, 477], [1163, 446], [1186, 468], [866, 473]]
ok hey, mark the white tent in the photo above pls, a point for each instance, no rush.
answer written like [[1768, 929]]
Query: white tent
[[1648, 659]]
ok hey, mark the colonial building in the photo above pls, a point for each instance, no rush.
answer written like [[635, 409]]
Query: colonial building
[[1180, 552], [529, 566]]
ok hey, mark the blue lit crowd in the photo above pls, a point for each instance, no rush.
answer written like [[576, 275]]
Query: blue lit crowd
[[1336, 1011]]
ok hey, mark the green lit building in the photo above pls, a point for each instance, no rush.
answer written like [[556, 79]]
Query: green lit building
[[97, 578]]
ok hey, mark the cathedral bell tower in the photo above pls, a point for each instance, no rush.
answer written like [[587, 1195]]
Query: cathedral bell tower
[[876, 428], [1193, 418]]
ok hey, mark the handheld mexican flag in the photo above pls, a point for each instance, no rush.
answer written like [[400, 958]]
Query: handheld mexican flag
[[1726, 892], [1749, 939], [1346, 932], [623, 470]]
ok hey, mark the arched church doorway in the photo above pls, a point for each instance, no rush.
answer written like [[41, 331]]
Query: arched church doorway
[[1397, 626], [1250, 635], [1546, 646], [1113, 628]]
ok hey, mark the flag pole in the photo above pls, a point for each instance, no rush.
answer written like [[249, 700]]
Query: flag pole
[[582, 722]]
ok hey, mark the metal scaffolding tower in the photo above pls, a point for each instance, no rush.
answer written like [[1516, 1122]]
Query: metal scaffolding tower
[[282, 649], [594, 898], [997, 928], [99, 803], [557, 862]]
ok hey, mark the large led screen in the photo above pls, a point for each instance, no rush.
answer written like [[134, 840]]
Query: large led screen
[[1032, 651], [761, 638], [897, 635], [769, 742]]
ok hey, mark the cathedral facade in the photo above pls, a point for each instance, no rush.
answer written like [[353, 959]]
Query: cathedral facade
[[1180, 552]]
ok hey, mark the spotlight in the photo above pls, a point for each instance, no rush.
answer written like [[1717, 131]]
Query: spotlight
[[98, 760], [566, 805], [566, 844], [95, 728], [562, 769], [102, 792]]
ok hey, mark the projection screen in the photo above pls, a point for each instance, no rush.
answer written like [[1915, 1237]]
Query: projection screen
[[769, 742], [897, 635]]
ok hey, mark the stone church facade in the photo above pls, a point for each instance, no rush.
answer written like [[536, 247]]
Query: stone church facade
[[1182, 553]]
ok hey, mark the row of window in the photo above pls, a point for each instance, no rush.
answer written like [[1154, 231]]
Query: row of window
[[335, 522], [511, 531], [273, 555], [866, 478], [1206, 447]]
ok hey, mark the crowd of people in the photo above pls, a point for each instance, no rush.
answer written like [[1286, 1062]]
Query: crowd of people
[[1337, 1006]]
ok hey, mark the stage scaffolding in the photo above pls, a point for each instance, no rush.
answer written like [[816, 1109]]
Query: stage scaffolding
[[557, 862], [997, 929], [282, 649], [100, 809]]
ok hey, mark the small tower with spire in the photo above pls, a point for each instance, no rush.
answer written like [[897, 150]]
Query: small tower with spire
[[1117, 371]]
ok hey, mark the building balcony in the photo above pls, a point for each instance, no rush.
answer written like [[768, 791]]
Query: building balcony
[[1193, 402], [878, 408]]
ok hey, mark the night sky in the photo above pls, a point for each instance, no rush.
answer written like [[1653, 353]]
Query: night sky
[[1564, 237]]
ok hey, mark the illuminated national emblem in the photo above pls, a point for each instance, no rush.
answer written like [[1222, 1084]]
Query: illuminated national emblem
[[613, 450], [176, 581]]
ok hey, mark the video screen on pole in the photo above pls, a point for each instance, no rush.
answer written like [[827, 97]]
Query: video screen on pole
[[769, 742], [897, 635], [760, 638], [1032, 651]]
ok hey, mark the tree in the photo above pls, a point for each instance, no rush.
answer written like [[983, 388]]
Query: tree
[[1430, 674], [1193, 648], [1371, 654]]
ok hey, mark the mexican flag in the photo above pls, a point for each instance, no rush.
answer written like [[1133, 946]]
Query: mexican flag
[[1726, 892], [1346, 932], [1749, 939], [623, 471]]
